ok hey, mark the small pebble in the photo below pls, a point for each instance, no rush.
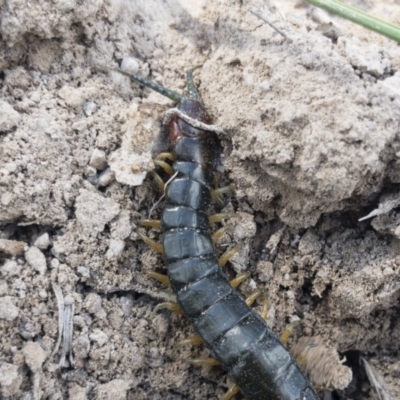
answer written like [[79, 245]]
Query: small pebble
[[106, 177], [10, 268], [84, 272], [116, 390], [36, 259], [34, 356], [99, 337], [9, 118], [43, 241], [3, 287], [89, 108], [130, 64], [54, 263], [90, 171], [8, 310], [93, 303], [98, 160], [116, 248], [10, 380], [126, 305]]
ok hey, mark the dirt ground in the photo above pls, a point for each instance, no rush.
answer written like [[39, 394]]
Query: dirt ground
[[311, 141]]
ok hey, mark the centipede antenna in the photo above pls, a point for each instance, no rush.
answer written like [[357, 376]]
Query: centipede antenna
[[155, 86], [192, 92]]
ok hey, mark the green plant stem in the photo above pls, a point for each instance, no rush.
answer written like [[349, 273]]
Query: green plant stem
[[359, 17]]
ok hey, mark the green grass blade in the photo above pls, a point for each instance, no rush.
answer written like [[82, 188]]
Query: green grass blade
[[359, 17]]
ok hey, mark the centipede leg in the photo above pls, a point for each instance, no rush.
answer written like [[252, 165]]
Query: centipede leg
[[229, 254], [253, 296], [193, 340], [285, 335], [166, 156], [221, 217], [152, 243], [165, 166], [216, 193], [239, 279], [219, 233], [158, 180], [151, 223], [234, 389], [159, 277], [204, 361], [169, 305]]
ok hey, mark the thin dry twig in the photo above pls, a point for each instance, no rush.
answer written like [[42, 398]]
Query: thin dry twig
[[197, 124]]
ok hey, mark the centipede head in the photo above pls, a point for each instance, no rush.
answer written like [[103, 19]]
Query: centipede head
[[190, 104]]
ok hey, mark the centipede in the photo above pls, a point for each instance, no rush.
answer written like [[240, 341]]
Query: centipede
[[238, 338]]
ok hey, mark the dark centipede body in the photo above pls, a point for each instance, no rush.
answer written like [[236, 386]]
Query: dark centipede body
[[237, 336]]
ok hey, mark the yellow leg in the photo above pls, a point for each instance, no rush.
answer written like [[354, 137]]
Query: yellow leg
[[166, 156], [190, 341], [152, 243], [239, 279], [169, 305], [285, 335], [216, 198], [158, 180], [219, 233], [165, 166], [225, 189], [234, 389], [151, 223], [221, 217], [203, 361], [253, 296], [229, 254], [159, 277]]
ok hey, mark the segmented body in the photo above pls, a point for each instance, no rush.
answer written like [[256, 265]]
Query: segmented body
[[237, 336]]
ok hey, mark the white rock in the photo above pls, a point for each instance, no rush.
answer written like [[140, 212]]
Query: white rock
[[84, 272], [10, 380], [116, 390], [90, 171], [8, 310], [8, 373], [3, 287], [6, 198], [130, 168], [372, 58], [10, 268], [98, 159], [106, 177], [43, 241], [99, 337], [93, 210], [74, 97], [36, 259], [34, 356], [54, 263], [9, 118], [130, 64], [89, 108], [116, 248], [77, 392], [93, 303]]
